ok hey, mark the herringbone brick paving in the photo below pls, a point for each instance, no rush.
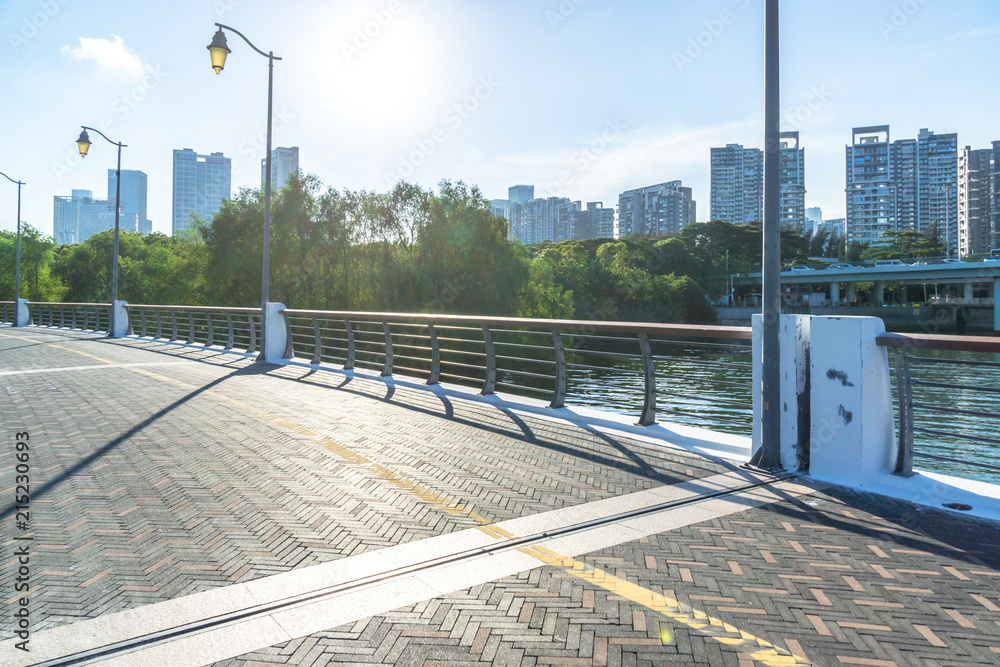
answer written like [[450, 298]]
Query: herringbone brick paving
[[150, 483], [838, 578]]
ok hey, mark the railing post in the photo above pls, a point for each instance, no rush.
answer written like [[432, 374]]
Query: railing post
[[253, 334], [387, 367], [648, 416], [173, 321], [190, 327], [435, 374], [490, 383], [317, 344], [559, 392], [159, 326], [142, 314], [129, 331], [904, 452], [74, 318], [86, 319], [229, 331], [211, 331], [349, 363], [62, 317]]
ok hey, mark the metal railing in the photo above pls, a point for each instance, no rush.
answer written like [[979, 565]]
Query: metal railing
[[94, 317], [622, 365], [6, 312], [229, 328], [960, 389]]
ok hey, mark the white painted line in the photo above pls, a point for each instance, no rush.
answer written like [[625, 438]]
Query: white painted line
[[307, 618], [65, 369]]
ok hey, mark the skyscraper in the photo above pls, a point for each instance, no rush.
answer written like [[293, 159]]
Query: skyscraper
[[909, 184], [655, 210], [201, 182], [284, 162], [737, 184], [978, 178], [133, 196], [793, 182], [543, 219], [79, 216], [517, 194]]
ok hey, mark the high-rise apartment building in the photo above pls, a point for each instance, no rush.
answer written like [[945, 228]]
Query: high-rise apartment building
[[133, 196], [737, 184], [79, 216], [517, 194], [201, 182], [284, 163], [978, 178], [543, 219], [909, 184], [594, 222], [793, 183], [655, 210]]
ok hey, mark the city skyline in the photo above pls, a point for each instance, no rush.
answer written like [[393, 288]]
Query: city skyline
[[447, 94]]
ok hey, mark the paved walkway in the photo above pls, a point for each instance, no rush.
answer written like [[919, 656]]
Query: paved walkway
[[170, 481]]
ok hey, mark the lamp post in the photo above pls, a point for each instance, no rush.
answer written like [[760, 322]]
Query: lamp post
[[219, 49], [83, 143], [768, 457], [17, 253], [946, 189]]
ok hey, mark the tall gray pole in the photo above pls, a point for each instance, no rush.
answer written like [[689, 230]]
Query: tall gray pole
[[114, 265], [17, 251], [768, 457], [266, 273], [17, 261]]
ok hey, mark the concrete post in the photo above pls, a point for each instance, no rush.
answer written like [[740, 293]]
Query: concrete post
[[793, 336], [22, 317], [878, 291], [851, 413], [969, 291], [834, 294], [852, 294], [120, 320], [273, 349]]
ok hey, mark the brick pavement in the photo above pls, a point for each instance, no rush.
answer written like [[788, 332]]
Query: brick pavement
[[837, 578], [161, 481]]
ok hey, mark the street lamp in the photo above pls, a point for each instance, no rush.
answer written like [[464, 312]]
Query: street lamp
[[219, 50], [83, 143], [946, 189], [17, 253]]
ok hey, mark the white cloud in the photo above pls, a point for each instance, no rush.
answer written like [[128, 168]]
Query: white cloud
[[110, 55], [986, 31]]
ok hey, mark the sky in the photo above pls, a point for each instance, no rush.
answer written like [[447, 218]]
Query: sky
[[581, 98]]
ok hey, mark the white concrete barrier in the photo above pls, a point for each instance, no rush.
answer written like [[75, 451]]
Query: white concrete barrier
[[277, 335], [22, 317], [852, 429], [121, 319], [794, 388]]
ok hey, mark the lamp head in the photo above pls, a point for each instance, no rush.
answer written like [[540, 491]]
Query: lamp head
[[219, 50], [83, 143]]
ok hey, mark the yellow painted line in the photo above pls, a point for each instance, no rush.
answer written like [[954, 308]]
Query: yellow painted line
[[760, 650]]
